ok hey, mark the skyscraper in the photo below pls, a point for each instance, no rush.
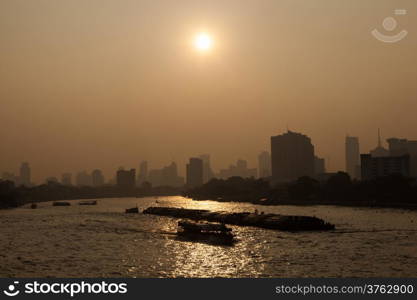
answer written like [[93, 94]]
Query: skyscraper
[[352, 156], [143, 172], [25, 174], [292, 156], [207, 171], [398, 147], [195, 171], [319, 165], [97, 178], [126, 179], [379, 151], [264, 164]]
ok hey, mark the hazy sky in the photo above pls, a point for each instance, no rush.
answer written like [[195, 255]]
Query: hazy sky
[[90, 84]]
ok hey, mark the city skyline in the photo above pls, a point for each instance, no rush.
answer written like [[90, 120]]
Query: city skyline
[[96, 176]]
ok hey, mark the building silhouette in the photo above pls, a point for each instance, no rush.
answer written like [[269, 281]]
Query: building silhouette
[[379, 151], [24, 176], [292, 156], [207, 171], [352, 157], [319, 166], [195, 172], [380, 166], [97, 178], [143, 172], [126, 179], [264, 164], [240, 169], [66, 179], [167, 176], [398, 147]]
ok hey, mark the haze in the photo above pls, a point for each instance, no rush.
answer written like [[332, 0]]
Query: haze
[[108, 83]]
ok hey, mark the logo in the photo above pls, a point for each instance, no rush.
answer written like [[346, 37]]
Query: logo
[[390, 24], [11, 290]]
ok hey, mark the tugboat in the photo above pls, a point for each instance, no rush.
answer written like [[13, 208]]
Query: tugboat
[[211, 233]]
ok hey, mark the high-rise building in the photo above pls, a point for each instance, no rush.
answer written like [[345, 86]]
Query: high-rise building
[[352, 156], [195, 172], [292, 156], [374, 167], [126, 179], [239, 170], [167, 176], [379, 151], [264, 164], [319, 166], [143, 172], [66, 179], [207, 171], [399, 147], [97, 178], [24, 177]]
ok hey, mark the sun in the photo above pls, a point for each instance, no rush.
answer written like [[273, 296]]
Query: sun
[[203, 42]]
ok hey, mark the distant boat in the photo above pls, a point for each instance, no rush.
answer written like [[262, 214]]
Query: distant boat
[[33, 206], [93, 202], [134, 210], [61, 203]]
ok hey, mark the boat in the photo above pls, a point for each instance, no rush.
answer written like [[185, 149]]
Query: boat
[[212, 233], [134, 210], [93, 202], [61, 203]]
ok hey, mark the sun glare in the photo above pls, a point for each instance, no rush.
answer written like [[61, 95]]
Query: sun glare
[[203, 42]]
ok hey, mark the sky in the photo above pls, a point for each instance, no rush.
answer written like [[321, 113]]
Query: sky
[[88, 84]]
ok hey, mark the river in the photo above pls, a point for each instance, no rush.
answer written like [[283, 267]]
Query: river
[[103, 241]]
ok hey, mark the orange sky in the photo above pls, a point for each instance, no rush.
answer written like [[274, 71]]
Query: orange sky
[[108, 83]]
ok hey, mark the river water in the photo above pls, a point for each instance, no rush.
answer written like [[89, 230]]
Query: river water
[[103, 241]]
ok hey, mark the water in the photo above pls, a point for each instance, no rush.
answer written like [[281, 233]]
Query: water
[[102, 241]]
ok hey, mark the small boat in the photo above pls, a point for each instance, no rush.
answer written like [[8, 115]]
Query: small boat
[[61, 203], [33, 206], [134, 210], [93, 202], [211, 233]]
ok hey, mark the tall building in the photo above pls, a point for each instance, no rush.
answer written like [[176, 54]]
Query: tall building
[[319, 166], [398, 147], [374, 167], [352, 156], [292, 156], [264, 164], [195, 172], [240, 170], [24, 177], [97, 178], [66, 179], [143, 172], [207, 171], [379, 151], [167, 176], [126, 179]]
